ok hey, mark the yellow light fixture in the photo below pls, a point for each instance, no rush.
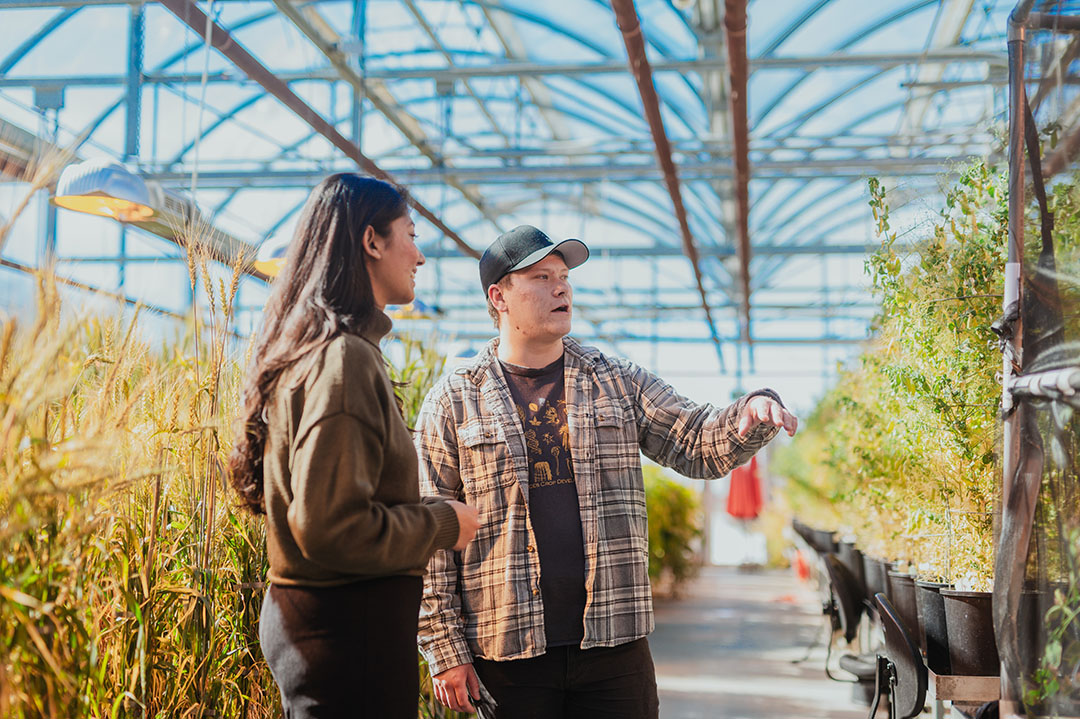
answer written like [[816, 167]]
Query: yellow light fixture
[[106, 188], [270, 258]]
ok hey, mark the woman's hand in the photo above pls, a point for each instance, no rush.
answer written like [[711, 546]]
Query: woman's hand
[[468, 520]]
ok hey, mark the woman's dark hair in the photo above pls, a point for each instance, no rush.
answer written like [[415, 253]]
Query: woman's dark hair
[[323, 291]]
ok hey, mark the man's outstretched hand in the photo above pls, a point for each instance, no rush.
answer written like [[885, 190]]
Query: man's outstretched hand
[[766, 410]]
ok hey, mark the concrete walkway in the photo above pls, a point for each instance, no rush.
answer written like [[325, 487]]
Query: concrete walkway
[[725, 650]]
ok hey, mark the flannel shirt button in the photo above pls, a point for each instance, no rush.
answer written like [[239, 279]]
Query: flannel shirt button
[[530, 548], [535, 591]]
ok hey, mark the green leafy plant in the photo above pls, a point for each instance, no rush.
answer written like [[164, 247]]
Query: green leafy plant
[[1058, 673], [902, 447], [674, 528]]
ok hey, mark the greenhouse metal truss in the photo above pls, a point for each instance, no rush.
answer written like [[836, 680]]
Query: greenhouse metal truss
[[734, 191]]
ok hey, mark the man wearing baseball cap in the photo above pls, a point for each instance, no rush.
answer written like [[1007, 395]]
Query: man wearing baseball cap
[[550, 605]]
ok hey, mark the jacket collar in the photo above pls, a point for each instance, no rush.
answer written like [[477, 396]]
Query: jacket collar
[[485, 361], [376, 328]]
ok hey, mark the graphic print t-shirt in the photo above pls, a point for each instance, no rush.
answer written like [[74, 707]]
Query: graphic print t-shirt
[[540, 399]]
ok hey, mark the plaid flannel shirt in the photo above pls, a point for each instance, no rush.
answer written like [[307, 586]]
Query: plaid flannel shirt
[[485, 601]]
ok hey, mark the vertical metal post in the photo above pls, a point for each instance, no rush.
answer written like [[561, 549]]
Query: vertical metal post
[[825, 317], [48, 101], [133, 108], [1013, 295], [359, 31], [47, 256], [134, 82], [1015, 258], [738, 70]]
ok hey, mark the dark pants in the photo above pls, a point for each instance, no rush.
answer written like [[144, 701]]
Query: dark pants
[[568, 683], [344, 651]]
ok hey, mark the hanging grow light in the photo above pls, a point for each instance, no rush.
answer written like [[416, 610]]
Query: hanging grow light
[[106, 188], [270, 258]]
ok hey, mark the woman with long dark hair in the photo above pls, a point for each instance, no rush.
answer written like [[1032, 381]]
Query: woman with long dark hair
[[325, 453]]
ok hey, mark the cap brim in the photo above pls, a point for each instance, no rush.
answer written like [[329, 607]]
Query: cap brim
[[574, 253]]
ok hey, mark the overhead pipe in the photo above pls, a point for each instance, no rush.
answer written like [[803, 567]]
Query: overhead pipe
[[735, 32], [193, 17], [627, 19], [1047, 21]]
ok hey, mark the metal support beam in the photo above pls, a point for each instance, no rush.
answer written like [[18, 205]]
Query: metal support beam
[[194, 18], [535, 70], [1059, 23], [600, 252], [133, 104], [855, 167], [735, 31], [627, 19], [413, 328], [322, 36], [129, 301], [1017, 511], [951, 19]]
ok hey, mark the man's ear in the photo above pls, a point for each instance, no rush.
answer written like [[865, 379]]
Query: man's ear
[[373, 245], [498, 301]]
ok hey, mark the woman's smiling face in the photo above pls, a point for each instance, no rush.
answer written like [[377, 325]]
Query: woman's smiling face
[[393, 273]]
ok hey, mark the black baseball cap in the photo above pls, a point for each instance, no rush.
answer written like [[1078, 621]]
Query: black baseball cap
[[523, 247]]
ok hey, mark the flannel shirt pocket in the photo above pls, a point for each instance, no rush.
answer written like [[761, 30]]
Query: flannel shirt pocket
[[486, 461]]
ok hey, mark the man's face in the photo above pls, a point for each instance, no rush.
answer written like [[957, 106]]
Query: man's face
[[536, 303]]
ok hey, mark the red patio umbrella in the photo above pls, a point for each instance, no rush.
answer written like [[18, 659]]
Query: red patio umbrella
[[744, 496]]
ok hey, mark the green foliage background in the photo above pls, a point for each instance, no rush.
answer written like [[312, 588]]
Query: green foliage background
[[674, 529], [900, 452]]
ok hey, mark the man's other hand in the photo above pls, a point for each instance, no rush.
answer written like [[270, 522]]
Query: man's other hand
[[765, 410], [454, 687]]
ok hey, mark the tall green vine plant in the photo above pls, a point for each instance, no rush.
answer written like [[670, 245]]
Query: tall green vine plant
[[905, 442]]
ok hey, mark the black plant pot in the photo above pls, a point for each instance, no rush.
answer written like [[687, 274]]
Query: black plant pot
[[902, 587], [970, 621], [824, 541], [886, 584], [852, 558], [873, 576], [1031, 629], [933, 633]]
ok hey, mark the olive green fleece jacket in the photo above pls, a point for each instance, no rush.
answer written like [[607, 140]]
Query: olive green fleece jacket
[[340, 473]]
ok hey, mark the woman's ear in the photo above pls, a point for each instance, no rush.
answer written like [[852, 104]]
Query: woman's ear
[[373, 244]]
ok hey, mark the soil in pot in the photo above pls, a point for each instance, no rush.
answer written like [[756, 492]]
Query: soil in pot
[[902, 587], [970, 623], [932, 629]]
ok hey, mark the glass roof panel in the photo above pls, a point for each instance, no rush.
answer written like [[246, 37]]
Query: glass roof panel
[[569, 149]]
